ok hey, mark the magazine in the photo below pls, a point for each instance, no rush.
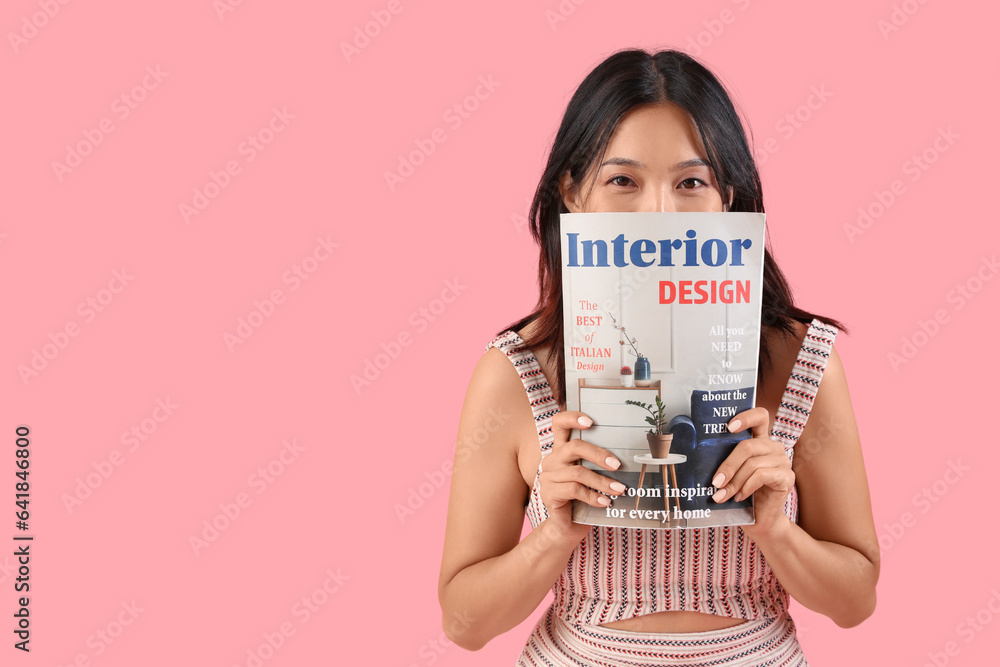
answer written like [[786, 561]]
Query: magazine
[[661, 330]]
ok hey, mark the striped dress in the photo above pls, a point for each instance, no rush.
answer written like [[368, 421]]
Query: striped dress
[[618, 573]]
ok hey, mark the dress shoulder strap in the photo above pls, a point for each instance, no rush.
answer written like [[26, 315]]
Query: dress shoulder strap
[[803, 383], [540, 396]]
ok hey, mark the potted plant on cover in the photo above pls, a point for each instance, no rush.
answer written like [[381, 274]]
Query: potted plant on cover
[[657, 437], [626, 376]]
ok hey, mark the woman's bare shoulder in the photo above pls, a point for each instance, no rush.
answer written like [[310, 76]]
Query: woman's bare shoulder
[[496, 403], [496, 371], [494, 379]]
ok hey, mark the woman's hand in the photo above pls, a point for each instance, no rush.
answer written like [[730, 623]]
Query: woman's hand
[[759, 467], [562, 479]]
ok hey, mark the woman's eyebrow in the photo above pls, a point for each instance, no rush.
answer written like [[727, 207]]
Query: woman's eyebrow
[[693, 162], [629, 162], [623, 162]]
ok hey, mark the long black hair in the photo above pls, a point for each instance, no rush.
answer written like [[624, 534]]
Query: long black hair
[[626, 80]]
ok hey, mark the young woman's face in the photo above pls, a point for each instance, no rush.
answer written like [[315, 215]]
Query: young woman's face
[[655, 161]]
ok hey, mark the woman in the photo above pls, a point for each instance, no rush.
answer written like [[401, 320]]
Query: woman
[[653, 132]]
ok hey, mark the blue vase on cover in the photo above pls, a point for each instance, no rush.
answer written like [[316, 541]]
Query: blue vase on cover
[[643, 377]]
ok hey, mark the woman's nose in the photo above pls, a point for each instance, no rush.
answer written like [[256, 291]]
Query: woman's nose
[[659, 199]]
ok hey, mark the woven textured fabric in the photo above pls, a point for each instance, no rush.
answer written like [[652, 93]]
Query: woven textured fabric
[[619, 573], [768, 642]]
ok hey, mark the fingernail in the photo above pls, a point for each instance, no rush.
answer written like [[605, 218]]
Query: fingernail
[[618, 486], [718, 480], [585, 421], [613, 463], [603, 500], [735, 425], [719, 495]]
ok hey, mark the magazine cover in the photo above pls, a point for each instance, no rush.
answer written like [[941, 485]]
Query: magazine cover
[[662, 327]]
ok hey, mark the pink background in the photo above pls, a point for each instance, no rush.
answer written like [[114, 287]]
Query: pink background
[[451, 228]]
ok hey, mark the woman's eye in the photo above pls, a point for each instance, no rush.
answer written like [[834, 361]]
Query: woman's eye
[[691, 183], [621, 181]]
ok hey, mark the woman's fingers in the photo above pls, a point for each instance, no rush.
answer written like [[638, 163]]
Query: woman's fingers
[[585, 491], [753, 463], [780, 479], [575, 480], [771, 470], [758, 421], [566, 450], [563, 424], [563, 479], [746, 457], [562, 483]]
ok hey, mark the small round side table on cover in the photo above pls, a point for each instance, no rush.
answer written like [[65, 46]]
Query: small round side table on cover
[[670, 460]]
